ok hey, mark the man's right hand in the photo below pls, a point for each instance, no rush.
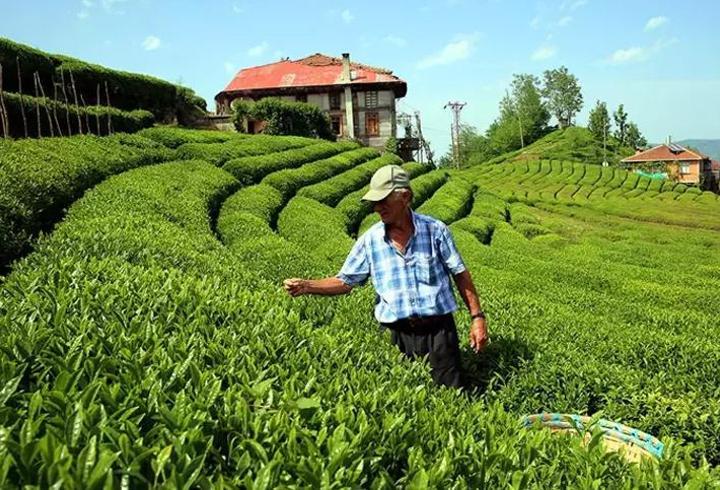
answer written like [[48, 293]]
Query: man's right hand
[[295, 286]]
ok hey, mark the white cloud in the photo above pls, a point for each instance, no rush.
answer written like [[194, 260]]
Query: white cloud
[[258, 50], [109, 5], [237, 8], [451, 52], [544, 53], [396, 40], [571, 5], [637, 54], [564, 21], [83, 14], [347, 16], [229, 68], [655, 22], [535, 23], [88, 3], [151, 43]]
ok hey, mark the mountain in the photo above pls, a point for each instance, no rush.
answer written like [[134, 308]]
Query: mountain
[[709, 147]]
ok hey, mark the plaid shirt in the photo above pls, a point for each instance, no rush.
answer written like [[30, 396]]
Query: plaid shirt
[[416, 283]]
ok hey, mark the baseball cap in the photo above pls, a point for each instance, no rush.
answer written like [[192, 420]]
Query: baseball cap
[[385, 180]]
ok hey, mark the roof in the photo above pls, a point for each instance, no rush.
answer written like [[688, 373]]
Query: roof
[[715, 165], [317, 70], [663, 153]]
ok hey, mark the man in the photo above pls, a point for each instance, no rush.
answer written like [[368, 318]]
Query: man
[[409, 258]]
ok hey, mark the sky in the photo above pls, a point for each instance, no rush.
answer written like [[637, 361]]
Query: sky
[[659, 58]]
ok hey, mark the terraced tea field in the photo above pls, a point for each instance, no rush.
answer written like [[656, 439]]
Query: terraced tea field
[[146, 339]]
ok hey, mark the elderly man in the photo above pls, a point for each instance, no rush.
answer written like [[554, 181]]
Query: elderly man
[[410, 258]]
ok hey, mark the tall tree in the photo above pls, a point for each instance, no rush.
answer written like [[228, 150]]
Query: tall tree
[[633, 137], [562, 92], [524, 105], [599, 122], [620, 117]]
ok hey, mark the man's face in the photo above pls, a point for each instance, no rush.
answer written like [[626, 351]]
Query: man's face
[[392, 208]]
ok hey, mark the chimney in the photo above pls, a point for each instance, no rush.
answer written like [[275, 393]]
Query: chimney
[[346, 67], [669, 140]]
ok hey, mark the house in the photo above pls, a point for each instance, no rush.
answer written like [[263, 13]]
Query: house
[[348, 92], [676, 162]]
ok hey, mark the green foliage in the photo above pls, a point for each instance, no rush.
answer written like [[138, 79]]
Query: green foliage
[[561, 90], [450, 202], [290, 180], [250, 170], [172, 137], [391, 145], [633, 137], [599, 121], [284, 117], [91, 119], [621, 121], [40, 178], [219, 153], [332, 190]]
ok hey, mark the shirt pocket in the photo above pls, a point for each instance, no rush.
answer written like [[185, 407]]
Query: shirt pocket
[[424, 270]]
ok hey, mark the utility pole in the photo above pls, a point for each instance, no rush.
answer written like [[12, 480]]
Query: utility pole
[[605, 162], [516, 110], [456, 107], [421, 149]]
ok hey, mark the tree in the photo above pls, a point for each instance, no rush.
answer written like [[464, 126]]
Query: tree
[[620, 117], [562, 92], [524, 107], [599, 122], [633, 137]]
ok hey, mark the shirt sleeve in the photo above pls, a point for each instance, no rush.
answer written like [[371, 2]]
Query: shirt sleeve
[[448, 251], [356, 269]]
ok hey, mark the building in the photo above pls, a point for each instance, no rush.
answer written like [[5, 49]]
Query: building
[[346, 91], [675, 162]]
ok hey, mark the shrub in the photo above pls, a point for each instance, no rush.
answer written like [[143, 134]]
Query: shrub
[[173, 137], [284, 117], [219, 153], [450, 202]]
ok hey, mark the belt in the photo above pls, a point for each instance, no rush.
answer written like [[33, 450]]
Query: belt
[[419, 322]]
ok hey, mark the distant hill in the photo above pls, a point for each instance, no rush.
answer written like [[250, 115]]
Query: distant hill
[[573, 144], [709, 147]]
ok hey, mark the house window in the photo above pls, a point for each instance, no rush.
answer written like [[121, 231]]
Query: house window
[[336, 122], [335, 101], [372, 124], [371, 99], [684, 168], [301, 98]]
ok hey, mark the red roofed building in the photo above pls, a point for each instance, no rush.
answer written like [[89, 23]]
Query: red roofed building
[[677, 162], [346, 91]]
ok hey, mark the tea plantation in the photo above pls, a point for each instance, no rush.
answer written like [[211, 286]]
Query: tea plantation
[[147, 342]]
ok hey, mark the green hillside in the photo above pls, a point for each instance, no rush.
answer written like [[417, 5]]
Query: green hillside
[[147, 342], [574, 144]]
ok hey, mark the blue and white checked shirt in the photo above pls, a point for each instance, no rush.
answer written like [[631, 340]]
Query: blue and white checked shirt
[[414, 284]]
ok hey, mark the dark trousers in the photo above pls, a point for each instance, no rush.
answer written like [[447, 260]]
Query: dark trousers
[[437, 339]]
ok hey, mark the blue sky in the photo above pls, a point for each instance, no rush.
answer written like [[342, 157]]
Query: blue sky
[[659, 58]]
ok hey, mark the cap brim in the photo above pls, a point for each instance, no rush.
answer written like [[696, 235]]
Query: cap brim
[[375, 195]]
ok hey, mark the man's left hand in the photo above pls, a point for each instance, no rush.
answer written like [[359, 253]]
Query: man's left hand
[[478, 334]]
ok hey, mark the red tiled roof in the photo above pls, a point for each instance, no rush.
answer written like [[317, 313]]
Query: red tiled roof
[[715, 165], [314, 70], [664, 153]]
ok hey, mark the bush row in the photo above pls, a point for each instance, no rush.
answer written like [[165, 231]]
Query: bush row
[[172, 137], [251, 170], [290, 180], [219, 153], [40, 178], [60, 119], [127, 91], [331, 191], [450, 202]]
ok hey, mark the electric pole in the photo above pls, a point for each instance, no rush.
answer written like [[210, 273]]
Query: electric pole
[[456, 107]]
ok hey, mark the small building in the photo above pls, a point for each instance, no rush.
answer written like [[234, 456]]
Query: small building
[[675, 162], [359, 99]]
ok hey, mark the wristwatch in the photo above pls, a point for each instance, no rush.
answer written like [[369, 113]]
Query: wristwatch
[[478, 315]]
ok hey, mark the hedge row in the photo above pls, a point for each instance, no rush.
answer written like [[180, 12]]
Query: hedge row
[[219, 153], [289, 181], [450, 202], [480, 228], [40, 178], [488, 205], [128, 91], [91, 119], [354, 209], [331, 191], [173, 137], [251, 170]]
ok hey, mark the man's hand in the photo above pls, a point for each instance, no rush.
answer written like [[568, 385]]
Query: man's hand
[[295, 286], [478, 334]]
